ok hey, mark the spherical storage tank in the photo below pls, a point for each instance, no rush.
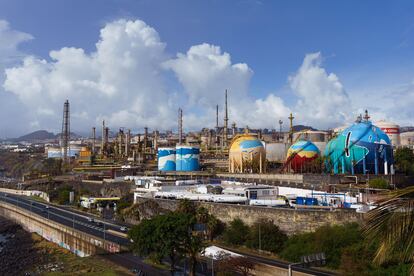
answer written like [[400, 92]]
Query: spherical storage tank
[[187, 158], [166, 159], [300, 154], [247, 154], [361, 148]]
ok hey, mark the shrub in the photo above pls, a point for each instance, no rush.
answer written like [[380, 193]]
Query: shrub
[[378, 183], [271, 237], [236, 233], [328, 239]]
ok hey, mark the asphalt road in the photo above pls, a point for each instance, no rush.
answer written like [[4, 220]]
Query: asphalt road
[[68, 218], [79, 221]]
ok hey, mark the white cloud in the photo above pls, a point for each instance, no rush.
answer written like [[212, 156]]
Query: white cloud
[[205, 72], [322, 99], [11, 113], [121, 81]]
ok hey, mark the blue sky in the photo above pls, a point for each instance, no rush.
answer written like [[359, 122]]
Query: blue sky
[[368, 45]]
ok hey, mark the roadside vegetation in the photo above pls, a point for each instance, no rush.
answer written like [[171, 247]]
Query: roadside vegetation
[[186, 232]]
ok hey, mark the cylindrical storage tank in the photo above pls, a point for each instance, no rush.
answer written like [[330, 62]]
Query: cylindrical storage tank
[[166, 159], [54, 152], [187, 158], [392, 130], [74, 151], [407, 138], [276, 152]]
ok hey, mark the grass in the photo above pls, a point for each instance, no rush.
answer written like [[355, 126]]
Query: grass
[[70, 264]]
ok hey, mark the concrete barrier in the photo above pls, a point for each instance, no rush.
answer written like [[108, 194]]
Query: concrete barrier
[[78, 242], [39, 194]]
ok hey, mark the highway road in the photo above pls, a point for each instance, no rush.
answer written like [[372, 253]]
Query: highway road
[[97, 228], [81, 222]]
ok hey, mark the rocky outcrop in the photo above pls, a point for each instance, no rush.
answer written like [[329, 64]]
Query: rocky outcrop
[[144, 210]]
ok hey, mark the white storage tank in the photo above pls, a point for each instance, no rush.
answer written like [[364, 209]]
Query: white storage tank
[[276, 152], [407, 138], [54, 152], [391, 129]]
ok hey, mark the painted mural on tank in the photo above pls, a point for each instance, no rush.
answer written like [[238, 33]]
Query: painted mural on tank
[[166, 159], [301, 153], [360, 149], [187, 158]]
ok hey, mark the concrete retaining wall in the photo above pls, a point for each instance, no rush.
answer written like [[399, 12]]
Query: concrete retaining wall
[[291, 221], [40, 194], [76, 241]]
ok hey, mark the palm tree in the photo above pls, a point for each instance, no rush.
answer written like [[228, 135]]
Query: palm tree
[[392, 225]]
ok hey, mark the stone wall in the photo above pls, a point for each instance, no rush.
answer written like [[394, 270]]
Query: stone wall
[[289, 220]]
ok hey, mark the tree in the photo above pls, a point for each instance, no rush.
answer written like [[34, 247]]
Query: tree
[[392, 224], [404, 160], [193, 246], [187, 207], [236, 233], [264, 234], [170, 235], [162, 236], [328, 239]]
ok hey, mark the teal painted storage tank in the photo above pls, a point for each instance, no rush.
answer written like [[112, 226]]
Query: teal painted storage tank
[[166, 159], [359, 149], [187, 158]]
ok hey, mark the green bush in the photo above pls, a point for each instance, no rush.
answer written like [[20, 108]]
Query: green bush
[[378, 183], [404, 160], [271, 237], [236, 233], [328, 239]]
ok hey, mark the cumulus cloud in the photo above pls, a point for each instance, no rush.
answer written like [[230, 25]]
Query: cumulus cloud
[[121, 81], [10, 107], [322, 99], [205, 72]]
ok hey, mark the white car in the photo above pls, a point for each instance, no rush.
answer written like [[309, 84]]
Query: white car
[[91, 220], [123, 229]]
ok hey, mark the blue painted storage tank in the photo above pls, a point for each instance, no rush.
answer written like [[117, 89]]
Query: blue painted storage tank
[[361, 148], [166, 159], [187, 158]]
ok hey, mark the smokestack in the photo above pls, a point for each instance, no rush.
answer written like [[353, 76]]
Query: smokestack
[[155, 143], [233, 127], [65, 135], [106, 136], [93, 139], [103, 137], [180, 126], [127, 142], [145, 139], [226, 120]]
